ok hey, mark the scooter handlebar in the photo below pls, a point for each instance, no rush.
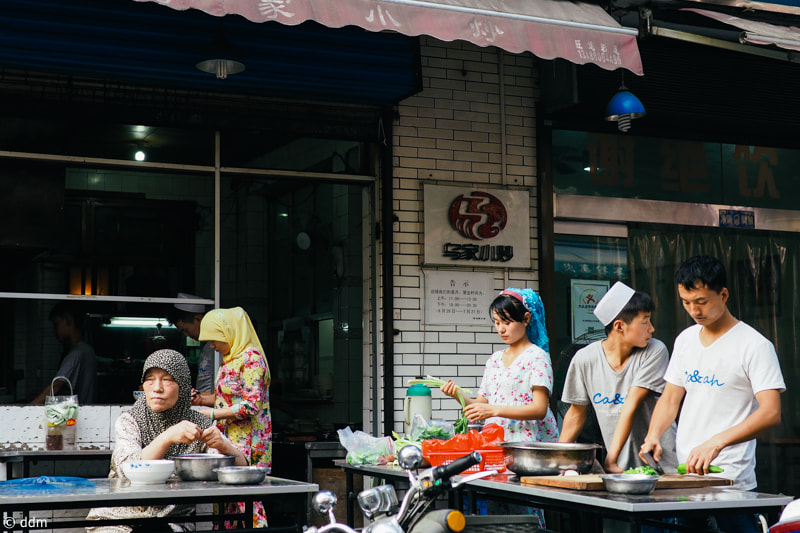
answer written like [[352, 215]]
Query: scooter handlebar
[[456, 467]]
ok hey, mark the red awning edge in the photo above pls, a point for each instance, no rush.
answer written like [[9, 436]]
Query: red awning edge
[[575, 31]]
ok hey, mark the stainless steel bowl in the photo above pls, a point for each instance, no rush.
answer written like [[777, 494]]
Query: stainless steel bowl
[[200, 466], [630, 483], [548, 458], [241, 475]]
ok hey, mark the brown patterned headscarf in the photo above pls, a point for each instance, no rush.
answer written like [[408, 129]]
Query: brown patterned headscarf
[[152, 423]]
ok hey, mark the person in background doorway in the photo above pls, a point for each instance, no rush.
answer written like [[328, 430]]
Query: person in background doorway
[[160, 425], [78, 362], [621, 378], [725, 379], [241, 408], [186, 318]]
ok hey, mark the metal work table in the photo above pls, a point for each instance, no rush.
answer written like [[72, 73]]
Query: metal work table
[[17, 504], [389, 474], [587, 509], [27, 457], [590, 507]]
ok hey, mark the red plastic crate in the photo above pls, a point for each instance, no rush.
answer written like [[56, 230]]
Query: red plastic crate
[[490, 460]]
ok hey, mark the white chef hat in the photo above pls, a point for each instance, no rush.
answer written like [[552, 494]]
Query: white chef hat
[[190, 308], [613, 302]]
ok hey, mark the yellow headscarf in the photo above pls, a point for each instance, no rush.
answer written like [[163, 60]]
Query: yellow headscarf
[[232, 326]]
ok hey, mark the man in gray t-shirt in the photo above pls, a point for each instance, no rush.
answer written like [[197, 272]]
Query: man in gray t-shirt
[[621, 378], [186, 318]]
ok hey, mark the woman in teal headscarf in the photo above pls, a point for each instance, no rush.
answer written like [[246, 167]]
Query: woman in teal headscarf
[[517, 381]]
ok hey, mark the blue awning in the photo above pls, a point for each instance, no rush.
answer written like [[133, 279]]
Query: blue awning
[[145, 43]]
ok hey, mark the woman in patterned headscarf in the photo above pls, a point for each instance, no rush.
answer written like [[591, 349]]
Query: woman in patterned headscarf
[[160, 425], [517, 381], [241, 405]]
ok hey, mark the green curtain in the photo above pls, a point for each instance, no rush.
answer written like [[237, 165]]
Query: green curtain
[[763, 277]]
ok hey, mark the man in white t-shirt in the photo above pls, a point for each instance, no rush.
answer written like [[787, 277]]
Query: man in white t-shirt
[[727, 375]]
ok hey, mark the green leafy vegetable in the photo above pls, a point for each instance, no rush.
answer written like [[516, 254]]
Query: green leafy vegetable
[[431, 381], [648, 470], [712, 469], [461, 425], [434, 432]]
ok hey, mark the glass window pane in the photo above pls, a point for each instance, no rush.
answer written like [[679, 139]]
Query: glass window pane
[[292, 257]]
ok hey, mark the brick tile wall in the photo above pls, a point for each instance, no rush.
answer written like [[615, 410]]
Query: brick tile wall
[[450, 133]]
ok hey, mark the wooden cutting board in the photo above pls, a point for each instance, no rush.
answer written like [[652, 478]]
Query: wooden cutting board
[[595, 482]]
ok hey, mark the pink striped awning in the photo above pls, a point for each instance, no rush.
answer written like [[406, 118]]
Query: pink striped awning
[[578, 32]]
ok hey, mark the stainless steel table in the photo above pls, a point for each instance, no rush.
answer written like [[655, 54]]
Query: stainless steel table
[[588, 508], [16, 505], [388, 474]]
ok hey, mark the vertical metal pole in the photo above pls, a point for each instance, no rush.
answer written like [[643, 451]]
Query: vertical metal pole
[[376, 332], [217, 217], [387, 257]]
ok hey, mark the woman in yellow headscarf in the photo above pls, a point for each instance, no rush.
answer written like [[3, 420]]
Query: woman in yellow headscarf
[[241, 404]]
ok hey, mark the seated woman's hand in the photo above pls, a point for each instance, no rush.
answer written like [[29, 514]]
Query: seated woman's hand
[[184, 432], [213, 438]]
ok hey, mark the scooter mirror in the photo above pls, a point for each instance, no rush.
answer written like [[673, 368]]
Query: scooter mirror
[[323, 502], [409, 457]]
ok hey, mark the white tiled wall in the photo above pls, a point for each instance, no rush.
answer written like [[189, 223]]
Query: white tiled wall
[[450, 134], [24, 427]]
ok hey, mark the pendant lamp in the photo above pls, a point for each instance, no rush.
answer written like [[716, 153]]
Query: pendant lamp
[[624, 107], [221, 58]]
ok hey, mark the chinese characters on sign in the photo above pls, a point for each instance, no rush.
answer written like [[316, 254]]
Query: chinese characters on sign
[[731, 218], [460, 298], [478, 253], [600, 53], [471, 226]]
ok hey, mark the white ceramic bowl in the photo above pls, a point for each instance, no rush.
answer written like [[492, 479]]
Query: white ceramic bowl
[[148, 471]]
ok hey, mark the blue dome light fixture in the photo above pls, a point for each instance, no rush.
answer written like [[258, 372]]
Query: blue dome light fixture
[[624, 107]]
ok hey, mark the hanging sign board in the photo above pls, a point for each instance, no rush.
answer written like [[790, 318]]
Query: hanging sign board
[[584, 295], [477, 226], [460, 298]]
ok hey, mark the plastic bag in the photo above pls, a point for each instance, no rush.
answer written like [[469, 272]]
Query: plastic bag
[[364, 449], [43, 484], [422, 429], [61, 415]]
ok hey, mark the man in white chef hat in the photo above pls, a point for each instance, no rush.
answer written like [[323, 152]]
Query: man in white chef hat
[[621, 378], [186, 317]]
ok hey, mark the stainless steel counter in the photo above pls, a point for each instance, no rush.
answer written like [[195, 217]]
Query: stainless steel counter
[[662, 503], [587, 509], [17, 503]]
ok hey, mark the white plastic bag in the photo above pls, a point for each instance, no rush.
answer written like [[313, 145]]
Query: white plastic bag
[[364, 449]]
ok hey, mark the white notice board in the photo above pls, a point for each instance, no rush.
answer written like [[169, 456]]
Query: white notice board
[[460, 298], [584, 295]]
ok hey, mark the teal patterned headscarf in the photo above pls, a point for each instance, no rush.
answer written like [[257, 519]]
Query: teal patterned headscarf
[[536, 330]]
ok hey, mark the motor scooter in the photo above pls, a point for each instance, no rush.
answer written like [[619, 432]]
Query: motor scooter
[[414, 514]]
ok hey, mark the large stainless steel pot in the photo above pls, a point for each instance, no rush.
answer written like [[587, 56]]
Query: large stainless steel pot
[[548, 458], [200, 466]]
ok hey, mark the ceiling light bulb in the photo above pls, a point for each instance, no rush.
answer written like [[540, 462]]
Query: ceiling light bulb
[[140, 155]]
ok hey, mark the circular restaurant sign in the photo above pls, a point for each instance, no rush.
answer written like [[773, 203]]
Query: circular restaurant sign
[[478, 215]]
